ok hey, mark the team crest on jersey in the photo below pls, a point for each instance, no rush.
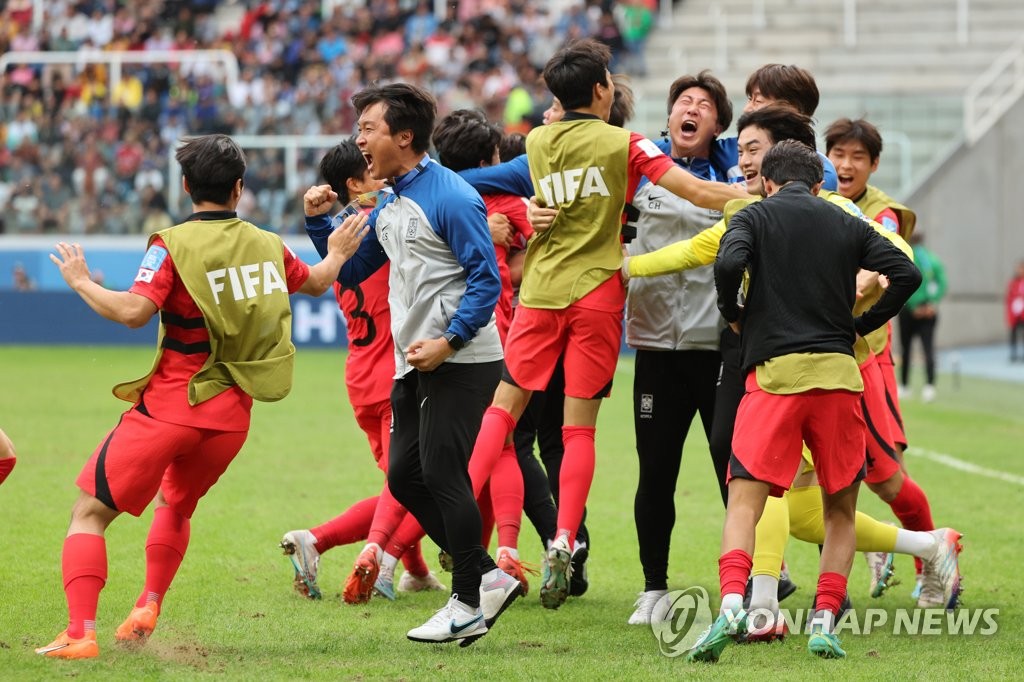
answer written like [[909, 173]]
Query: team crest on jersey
[[647, 403], [412, 229]]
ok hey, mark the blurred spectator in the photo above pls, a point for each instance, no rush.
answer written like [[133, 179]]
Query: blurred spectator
[[1015, 312], [108, 142], [22, 282], [637, 22], [921, 314]]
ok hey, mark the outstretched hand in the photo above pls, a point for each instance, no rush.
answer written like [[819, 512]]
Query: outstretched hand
[[318, 199], [71, 261]]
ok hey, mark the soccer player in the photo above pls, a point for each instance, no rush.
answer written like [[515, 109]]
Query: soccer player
[[802, 257], [8, 457], [758, 131], [221, 286], [390, 532], [465, 139], [571, 298], [674, 325], [444, 285], [855, 146], [1015, 310], [542, 418]]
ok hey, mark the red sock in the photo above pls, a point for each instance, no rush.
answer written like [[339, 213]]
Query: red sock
[[165, 548], [413, 561], [495, 429], [733, 570], [387, 518], [6, 465], [84, 565], [912, 509], [406, 536], [507, 497], [575, 478], [486, 515], [353, 525], [831, 592]]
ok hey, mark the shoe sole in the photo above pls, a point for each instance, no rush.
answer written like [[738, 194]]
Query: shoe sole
[[554, 595], [887, 580], [363, 581], [301, 583], [509, 598]]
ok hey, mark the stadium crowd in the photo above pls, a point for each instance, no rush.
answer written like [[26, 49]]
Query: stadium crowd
[[82, 155]]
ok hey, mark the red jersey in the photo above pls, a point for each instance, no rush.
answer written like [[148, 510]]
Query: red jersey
[[514, 208], [1015, 301], [370, 366], [166, 396]]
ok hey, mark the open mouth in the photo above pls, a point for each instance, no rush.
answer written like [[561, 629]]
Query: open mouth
[[369, 160], [688, 127]]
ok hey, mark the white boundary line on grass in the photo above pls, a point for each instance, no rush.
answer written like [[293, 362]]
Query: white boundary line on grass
[[960, 464]]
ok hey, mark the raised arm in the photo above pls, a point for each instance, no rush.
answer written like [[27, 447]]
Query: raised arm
[[703, 193], [131, 310]]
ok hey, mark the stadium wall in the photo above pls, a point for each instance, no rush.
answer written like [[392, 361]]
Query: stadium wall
[[54, 315], [969, 211]]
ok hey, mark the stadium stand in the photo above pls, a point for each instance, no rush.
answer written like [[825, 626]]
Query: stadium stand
[[84, 145]]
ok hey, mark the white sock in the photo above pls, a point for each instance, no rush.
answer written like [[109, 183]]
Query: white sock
[[577, 546], [376, 548], [826, 619], [765, 593], [732, 603], [919, 543], [387, 566], [489, 575], [512, 551]]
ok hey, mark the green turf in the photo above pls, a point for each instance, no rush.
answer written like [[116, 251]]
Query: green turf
[[232, 613]]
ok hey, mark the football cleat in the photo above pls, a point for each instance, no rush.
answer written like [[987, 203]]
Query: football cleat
[[644, 607], [66, 647], [940, 586], [554, 587], [497, 594], [824, 644], [915, 594], [881, 569], [578, 582], [420, 583], [763, 632], [452, 622], [517, 569], [299, 545], [359, 584], [139, 625], [728, 627]]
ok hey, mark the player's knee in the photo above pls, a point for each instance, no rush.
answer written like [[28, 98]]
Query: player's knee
[[888, 489]]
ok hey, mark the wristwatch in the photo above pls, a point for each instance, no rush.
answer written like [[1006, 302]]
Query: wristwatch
[[454, 340]]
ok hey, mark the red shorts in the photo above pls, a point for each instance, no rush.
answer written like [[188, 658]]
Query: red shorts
[[883, 461], [375, 421], [892, 400], [142, 455], [589, 339], [771, 429]]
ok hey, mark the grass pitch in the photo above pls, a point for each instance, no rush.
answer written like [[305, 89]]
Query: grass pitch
[[231, 613]]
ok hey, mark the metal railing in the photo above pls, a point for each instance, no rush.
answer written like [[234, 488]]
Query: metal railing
[[225, 59], [993, 93]]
